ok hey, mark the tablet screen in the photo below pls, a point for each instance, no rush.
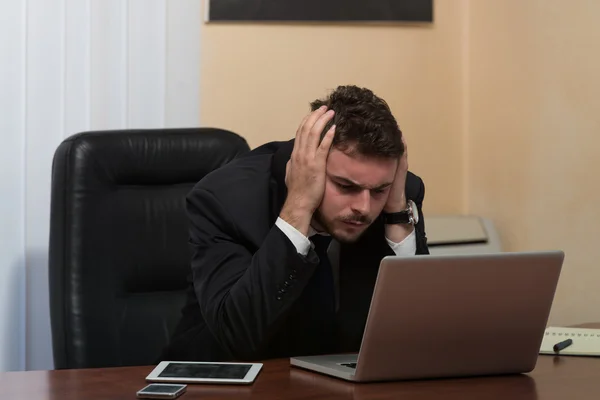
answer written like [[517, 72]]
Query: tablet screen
[[215, 371]]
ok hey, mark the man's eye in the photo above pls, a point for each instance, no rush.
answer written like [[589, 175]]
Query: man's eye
[[346, 188], [378, 191]]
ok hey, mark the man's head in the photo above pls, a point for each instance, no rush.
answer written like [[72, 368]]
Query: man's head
[[362, 162]]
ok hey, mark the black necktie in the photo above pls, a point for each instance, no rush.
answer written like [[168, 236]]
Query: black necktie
[[322, 285], [316, 307]]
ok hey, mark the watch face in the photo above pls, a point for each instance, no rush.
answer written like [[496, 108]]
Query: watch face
[[414, 211]]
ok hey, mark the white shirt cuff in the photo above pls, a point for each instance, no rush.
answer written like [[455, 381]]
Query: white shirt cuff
[[407, 247], [300, 242]]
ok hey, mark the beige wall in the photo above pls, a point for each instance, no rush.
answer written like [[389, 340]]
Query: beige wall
[[534, 135], [258, 79]]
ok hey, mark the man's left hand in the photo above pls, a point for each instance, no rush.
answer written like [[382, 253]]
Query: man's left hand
[[397, 201], [397, 197]]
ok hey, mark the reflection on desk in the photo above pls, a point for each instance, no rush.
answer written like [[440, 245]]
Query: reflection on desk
[[498, 387]]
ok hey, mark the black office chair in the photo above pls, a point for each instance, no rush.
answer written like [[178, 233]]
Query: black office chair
[[119, 255]]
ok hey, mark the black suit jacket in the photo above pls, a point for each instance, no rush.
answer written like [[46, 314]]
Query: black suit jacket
[[236, 309]]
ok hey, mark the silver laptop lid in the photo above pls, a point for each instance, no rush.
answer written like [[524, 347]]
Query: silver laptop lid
[[458, 315]]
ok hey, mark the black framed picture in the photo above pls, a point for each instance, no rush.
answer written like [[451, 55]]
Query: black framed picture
[[321, 10]]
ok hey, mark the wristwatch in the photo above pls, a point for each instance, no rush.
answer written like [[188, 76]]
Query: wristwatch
[[408, 216]]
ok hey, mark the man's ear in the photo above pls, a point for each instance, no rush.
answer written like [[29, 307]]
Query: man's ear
[[287, 170]]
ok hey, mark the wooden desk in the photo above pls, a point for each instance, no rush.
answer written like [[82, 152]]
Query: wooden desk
[[553, 378]]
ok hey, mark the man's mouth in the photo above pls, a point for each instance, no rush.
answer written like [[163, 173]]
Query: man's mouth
[[356, 223]]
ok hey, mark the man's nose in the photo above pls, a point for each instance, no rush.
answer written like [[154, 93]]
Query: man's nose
[[362, 202]]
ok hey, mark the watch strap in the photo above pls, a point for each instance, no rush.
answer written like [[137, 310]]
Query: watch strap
[[403, 217]]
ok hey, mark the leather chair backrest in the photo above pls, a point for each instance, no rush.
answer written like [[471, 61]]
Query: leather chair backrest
[[119, 254]]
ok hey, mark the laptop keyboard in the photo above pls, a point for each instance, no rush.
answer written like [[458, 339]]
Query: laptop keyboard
[[349, 365]]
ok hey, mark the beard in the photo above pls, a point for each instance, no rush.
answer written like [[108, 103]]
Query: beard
[[343, 237]]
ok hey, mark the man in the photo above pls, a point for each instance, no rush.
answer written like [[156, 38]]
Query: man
[[265, 282]]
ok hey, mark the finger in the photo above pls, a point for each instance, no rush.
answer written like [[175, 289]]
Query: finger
[[309, 123], [302, 124], [317, 129], [325, 145], [403, 163], [299, 130], [287, 171]]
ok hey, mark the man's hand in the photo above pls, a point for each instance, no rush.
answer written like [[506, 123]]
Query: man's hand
[[305, 172], [397, 199]]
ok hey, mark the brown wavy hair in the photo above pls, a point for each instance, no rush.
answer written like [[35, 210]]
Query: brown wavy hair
[[364, 123]]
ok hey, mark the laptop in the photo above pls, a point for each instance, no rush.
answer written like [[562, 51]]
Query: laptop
[[444, 316]]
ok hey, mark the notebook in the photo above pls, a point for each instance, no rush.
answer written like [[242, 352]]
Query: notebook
[[585, 341]]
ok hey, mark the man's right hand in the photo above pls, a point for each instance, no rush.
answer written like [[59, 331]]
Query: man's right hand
[[305, 172]]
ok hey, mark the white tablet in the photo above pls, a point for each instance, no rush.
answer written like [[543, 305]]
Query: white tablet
[[204, 372]]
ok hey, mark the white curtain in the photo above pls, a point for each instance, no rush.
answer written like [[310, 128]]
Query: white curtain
[[68, 66]]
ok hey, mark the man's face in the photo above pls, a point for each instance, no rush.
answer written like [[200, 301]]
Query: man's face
[[356, 189]]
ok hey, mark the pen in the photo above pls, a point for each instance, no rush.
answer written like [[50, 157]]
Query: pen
[[562, 345]]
